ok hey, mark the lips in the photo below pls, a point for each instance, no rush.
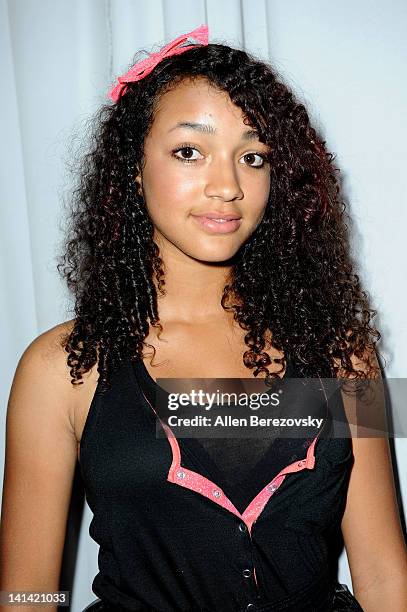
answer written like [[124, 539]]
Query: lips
[[219, 215], [218, 223]]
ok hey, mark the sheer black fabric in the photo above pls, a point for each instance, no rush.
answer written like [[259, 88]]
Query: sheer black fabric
[[243, 466]]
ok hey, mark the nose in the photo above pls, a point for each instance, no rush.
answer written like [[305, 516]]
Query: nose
[[222, 181]]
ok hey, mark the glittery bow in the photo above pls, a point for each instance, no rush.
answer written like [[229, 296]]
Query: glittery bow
[[199, 36]]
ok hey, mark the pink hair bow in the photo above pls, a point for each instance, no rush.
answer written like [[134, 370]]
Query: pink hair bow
[[144, 67]]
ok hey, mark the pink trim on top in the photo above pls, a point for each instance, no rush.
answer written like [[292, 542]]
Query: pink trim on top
[[189, 479]]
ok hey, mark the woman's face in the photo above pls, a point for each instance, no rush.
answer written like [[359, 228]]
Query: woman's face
[[203, 163]]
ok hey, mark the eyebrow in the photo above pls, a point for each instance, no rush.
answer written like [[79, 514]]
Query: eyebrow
[[205, 128]]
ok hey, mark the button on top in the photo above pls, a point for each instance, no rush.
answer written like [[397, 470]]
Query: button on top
[[247, 573], [242, 527]]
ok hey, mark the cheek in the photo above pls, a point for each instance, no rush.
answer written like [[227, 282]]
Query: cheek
[[264, 186], [171, 191], [259, 196]]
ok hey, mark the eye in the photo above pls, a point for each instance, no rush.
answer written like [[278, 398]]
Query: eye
[[250, 157], [186, 150]]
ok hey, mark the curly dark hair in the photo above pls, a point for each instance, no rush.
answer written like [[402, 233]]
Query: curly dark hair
[[293, 276]]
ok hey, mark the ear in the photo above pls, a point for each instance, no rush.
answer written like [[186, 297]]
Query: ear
[[139, 182]]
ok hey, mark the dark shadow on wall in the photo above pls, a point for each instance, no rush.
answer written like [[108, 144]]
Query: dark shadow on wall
[[74, 522]]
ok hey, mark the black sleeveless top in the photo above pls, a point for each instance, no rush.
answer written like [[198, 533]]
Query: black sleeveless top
[[209, 524]]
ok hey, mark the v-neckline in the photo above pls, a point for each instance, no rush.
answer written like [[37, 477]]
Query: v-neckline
[[192, 448], [201, 457], [180, 475]]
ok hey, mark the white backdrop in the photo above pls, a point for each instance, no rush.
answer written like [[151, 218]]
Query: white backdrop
[[346, 60]]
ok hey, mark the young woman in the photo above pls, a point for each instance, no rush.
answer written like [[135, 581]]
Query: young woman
[[207, 240]]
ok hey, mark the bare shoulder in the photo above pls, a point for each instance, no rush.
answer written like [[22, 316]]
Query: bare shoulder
[[47, 350], [45, 358]]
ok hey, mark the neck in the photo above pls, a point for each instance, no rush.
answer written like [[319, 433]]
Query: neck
[[193, 288]]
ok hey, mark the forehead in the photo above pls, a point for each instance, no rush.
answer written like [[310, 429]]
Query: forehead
[[196, 99]]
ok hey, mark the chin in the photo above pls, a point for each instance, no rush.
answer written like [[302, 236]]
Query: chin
[[214, 255]]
